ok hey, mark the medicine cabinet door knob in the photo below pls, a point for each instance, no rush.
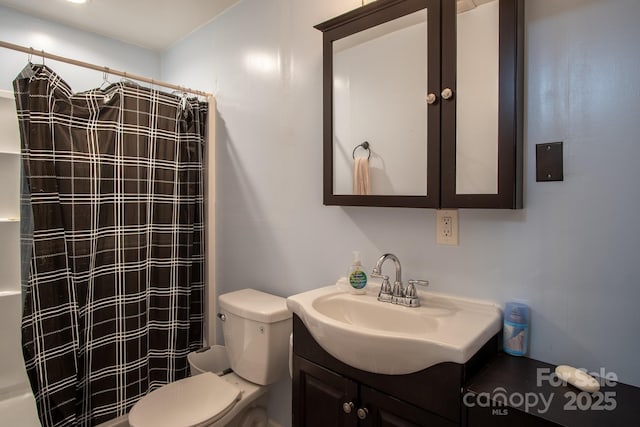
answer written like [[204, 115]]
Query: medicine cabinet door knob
[[431, 98], [446, 93]]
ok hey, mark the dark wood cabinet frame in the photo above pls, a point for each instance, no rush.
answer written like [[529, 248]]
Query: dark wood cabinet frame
[[352, 22], [436, 389], [441, 137], [510, 112]]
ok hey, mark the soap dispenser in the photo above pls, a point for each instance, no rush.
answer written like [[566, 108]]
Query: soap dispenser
[[357, 277]]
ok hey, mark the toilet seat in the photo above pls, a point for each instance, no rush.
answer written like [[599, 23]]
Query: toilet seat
[[190, 402]]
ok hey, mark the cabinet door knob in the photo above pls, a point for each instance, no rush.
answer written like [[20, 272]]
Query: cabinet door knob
[[446, 93], [347, 407], [362, 413], [431, 98]]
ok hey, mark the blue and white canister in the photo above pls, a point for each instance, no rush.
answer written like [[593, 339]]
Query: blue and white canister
[[516, 328]]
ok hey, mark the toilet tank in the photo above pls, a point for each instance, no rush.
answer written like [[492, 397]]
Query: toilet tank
[[256, 330]]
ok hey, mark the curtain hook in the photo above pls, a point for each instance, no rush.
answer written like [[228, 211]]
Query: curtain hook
[[105, 78], [30, 57], [42, 56], [184, 99]]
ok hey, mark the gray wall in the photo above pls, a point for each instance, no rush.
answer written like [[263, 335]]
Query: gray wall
[[572, 252], [25, 30]]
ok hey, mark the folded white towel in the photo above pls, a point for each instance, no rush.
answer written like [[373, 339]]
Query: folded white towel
[[361, 183]]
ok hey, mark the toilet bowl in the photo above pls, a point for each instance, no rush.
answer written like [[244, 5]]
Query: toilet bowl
[[229, 384]]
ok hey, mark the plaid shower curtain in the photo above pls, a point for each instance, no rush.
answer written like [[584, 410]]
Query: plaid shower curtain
[[115, 294]]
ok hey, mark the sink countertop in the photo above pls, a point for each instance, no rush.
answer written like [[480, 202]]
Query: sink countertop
[[391, 339]]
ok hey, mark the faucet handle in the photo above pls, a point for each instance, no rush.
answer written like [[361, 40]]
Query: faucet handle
[[411, 295], [376, 275], [418, 282], [385, 289], [411, 292]]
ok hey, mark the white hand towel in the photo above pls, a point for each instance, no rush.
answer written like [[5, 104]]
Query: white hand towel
[[361, 183]]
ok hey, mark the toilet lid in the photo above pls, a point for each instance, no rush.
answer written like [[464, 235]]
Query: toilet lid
[[185, 403]]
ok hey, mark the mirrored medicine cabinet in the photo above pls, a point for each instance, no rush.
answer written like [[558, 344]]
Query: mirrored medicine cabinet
[[430, 92]]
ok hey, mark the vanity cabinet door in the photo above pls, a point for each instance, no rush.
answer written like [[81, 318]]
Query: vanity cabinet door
[[382, 410], [322, 398]]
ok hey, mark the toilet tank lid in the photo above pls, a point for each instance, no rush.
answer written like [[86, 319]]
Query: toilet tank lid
[[255, 305]]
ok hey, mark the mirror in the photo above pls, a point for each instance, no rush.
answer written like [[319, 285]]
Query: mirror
[[379, 62], [372, 103], [477, 97], [481, 152], [386, 65]]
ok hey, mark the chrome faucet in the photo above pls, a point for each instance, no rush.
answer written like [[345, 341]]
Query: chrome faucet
[[398, 295], [386, 294]]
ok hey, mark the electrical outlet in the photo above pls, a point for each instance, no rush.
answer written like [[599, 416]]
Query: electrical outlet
[[447, 227]]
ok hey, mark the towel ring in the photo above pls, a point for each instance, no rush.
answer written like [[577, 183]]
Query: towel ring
[[364, 145]]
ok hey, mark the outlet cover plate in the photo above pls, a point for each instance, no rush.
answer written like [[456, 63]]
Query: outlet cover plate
[[447, 227]]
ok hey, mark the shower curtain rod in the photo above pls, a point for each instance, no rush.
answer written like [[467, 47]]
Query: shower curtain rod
[[43, 54]]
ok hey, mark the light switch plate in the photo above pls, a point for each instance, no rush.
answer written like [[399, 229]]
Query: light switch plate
[[447, 227], [549, 165]]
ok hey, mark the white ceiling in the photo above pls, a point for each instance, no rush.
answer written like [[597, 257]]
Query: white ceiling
[[152, 24]]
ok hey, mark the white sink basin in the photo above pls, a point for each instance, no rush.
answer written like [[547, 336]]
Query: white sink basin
[[389, 339]]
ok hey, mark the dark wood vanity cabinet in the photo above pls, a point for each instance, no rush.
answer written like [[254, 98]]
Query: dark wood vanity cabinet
[[325, 398], [319, 395], [492, 389], [328, 393]]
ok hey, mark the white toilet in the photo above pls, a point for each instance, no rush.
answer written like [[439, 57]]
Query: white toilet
[[256, 330]]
